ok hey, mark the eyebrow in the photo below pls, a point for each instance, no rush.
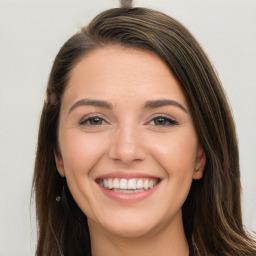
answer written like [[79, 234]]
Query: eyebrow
[[108, 105], [162, 103], [91, 102]]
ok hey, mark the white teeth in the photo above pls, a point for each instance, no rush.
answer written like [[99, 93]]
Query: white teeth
[[110, 185], [128, 191], [140, 184], [146, 184], [105, 183], [128, 185], [123, 183], [132, 184], [116, 183]]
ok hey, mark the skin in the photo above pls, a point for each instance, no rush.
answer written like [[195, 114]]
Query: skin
[[128, 138]]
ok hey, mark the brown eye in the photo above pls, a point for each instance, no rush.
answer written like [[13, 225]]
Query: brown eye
[[163, 121], [160, 121], [93, 121]]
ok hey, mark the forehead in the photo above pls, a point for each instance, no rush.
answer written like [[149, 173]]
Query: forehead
[[116, 71]]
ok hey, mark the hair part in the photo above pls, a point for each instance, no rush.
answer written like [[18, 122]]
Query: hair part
[[212, 212], [126, 3]]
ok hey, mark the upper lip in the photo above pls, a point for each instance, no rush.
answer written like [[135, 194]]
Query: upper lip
[[126, 175]]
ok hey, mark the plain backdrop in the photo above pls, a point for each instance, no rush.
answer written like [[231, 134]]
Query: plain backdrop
[[31, 33]]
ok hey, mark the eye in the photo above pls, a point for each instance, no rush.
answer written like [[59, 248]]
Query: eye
[[163, 121], [93, 121]]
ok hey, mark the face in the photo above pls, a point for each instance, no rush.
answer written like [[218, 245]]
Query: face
[[127, 144]]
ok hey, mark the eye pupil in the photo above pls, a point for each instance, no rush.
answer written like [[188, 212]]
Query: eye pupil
[[95, 121], [160, 121]]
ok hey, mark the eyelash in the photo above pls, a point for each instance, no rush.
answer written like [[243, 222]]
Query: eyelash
[[168, 121], [88, 121]]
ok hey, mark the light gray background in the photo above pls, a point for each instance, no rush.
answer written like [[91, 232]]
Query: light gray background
[[31, 33]]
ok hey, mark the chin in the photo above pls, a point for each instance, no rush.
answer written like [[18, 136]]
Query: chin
[[131, 230], [130, 223]]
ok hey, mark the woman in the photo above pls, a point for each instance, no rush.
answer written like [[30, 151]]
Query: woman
[[137, 151]]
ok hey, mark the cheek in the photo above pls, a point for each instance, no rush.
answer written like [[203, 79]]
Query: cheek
[[80, 152], [177, 153]]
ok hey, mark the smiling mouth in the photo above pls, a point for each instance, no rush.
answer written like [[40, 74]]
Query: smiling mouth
[[133, 185]]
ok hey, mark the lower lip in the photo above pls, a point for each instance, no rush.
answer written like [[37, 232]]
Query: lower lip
[[128, 197]]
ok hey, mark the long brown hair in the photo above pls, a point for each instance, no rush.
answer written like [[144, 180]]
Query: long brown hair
[[212, 212]]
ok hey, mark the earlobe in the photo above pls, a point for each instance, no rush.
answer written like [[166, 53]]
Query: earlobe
[[59, 163], [200, 164]]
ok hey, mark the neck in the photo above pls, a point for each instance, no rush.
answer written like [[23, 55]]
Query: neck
[[167, 240]]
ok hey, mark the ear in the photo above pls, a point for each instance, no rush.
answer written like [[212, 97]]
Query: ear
[[200, 164], [59, 163]]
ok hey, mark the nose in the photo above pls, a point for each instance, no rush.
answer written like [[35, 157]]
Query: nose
[[127, 145]]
